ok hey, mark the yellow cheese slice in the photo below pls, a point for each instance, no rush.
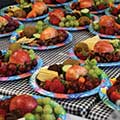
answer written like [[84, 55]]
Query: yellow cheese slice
[[92, 41], [45, 74]]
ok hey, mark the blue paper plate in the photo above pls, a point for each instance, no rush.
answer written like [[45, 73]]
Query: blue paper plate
[[24, 75], [70, 28], [61, 116], [35, 86], [91, 29], [8, 34], [110, 64], [16, 35], [2, 12], [103, 95]]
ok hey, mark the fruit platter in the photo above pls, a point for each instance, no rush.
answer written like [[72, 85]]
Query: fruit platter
[[107, 55], [41, 37], [77, 20], [110, 93], [30, 108], [57, 3], [95, 6], [17, 63], [8, 25], [113, 10], [68, 80], [106, 27], [26, 11]]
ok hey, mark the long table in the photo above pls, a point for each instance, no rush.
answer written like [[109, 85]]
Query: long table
[[91, 107]]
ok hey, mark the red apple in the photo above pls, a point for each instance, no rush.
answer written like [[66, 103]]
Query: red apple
[[75, 72], [24, 103], [20, 57]]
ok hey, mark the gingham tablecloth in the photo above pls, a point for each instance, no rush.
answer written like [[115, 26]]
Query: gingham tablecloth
[[86, 107]]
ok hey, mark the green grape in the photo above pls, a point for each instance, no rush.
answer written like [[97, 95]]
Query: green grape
[[91, 72], [40, 23], [38, 109], [58, 109], [40, 101], [49, 117], [76, 23], [63, 19], [67, 24], [47, 109], [98, 71], [93, 62], [7, 55], [37, 117], [32, 54], [71, 23], [68, 17], [61, 24], [46, 101], [29, 116], [73, 18], [87, 67]]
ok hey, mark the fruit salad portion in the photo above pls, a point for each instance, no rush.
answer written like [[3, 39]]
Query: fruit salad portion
[[102, 50], [26, 9], [70, 77], [59, 17], [16, 61], [41, 34], [56, 1], [107, 25], [7, 24], [114, 91], [28, 108], [92, 5]]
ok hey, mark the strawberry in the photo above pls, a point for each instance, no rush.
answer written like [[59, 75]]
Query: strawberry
[[114, 11], [2, 113], [101, 6], [54, 20], [47, 85], [109, 31], [81, 56], [57, 86], [48, 1], [115, 95], [61, 1]]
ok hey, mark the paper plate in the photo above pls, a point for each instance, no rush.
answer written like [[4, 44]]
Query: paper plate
[[103, 95], [35, 86], [110, 64], [2, 11], [70, 28], [102, 35], [60, 5], [24, 75], [16, 35], [61, 116], [8, 34]]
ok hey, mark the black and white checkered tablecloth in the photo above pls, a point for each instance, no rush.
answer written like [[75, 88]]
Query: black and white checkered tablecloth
[[87, 107]]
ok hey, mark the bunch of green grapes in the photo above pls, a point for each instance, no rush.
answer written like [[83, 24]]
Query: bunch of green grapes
[[69, 21], [46, 110], [40, 26], [93, 70]]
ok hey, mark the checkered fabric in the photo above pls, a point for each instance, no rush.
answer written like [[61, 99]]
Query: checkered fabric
[[78, 107]]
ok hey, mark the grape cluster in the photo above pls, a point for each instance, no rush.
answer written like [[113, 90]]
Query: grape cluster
[[46, 110]]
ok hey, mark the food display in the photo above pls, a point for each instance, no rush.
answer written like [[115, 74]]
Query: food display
[[110, 94], [68, 80], [30, 108], [95, 6], [8, 25], [41, 36], [16, 62], [27, 11], [107, 26], [91, 49], [70, 21]]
